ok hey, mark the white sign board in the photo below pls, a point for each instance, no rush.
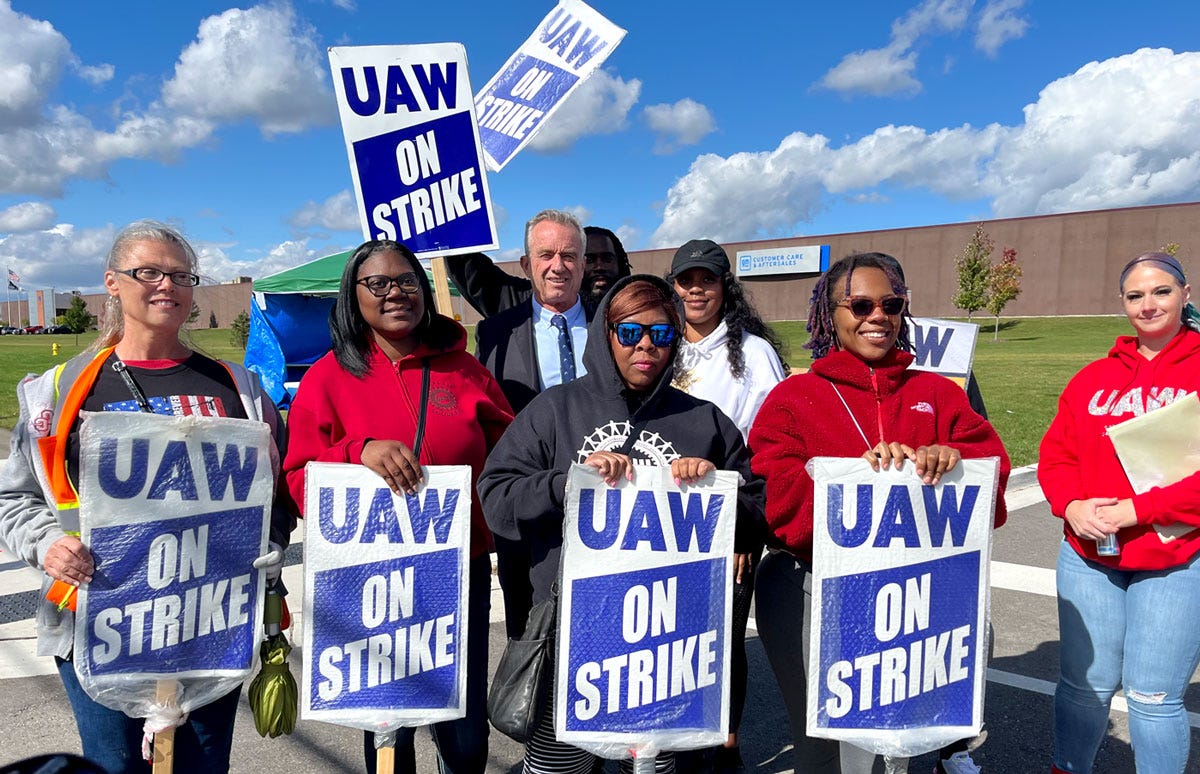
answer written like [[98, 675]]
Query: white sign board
[[945, 347], [569, 45], [385, 590], [790, 259], [408, 119], [644, 611], [900, 604]]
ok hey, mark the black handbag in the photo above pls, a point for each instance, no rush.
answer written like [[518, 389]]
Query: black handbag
[[520, 689]]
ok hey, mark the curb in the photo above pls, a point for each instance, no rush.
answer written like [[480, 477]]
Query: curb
[[1022, 478]]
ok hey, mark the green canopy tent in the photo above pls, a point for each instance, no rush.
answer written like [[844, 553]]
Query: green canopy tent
[[289, 322]]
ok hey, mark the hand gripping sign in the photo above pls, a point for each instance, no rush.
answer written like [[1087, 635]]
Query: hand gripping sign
[[385, 598], [174, 511], [409, 124], [900, 604], [645, 601], [569, 45]]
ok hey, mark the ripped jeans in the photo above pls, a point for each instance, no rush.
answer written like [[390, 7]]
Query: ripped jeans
[[1139, 629]]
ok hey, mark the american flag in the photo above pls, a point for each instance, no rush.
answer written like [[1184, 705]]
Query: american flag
[[12, 276], [175, 405]]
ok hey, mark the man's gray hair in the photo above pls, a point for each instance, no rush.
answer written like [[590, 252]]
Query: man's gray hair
[[557, 216]]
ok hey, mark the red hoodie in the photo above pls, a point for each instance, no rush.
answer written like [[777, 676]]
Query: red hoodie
[[803, 418], [1077, 460], [335, 413]]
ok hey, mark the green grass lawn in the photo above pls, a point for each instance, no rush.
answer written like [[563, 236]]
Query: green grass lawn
[[1020, 375]]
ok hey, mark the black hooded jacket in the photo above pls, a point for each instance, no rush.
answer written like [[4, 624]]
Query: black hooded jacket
[[524, 481]]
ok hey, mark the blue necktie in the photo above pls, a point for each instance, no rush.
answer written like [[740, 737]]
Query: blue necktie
[[566, 354]]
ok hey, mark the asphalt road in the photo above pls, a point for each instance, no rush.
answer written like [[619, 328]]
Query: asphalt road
[[35, 718]]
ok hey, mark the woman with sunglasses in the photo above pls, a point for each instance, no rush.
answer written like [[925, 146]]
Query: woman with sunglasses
[[631, 347], [364, 402], [150, 274], [731, 357], [858, 399]]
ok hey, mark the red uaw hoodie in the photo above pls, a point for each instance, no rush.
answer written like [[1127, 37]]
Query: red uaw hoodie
[[335, 413], [1077, 460]]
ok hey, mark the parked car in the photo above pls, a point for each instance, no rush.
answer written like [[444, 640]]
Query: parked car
[[9, 330], [56, 329], [33, 329]]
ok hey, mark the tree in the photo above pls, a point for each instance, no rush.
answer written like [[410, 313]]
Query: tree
[[239, 331], [194, 314], [77, 317], [1003, 285], [212, 319], [1170, 248], [973, 267]]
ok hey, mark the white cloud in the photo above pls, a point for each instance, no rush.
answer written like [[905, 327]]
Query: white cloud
[[999, 22], [889, 70], [685, 122], [337, 213], [1115, 133], [581, 213], [629, 235], [63, 257], [261, 64], [27, 216], [600, 105], [96, 75], [32, 57], [217, 266]]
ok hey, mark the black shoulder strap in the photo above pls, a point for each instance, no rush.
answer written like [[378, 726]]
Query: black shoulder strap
[[139, 396], [416, 447]]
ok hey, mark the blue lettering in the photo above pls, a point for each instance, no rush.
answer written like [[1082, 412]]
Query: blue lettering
[[139, 458], [696, 519], [329, 530], [549, 30], [363, 107], [931, 349], [219, 470], [586, 47], [437, 83], [949, 512], [381, 519], [644, 524], [174, 473], [838, 532], [399, 92], [593, 538], [897, 520], [440, 516]]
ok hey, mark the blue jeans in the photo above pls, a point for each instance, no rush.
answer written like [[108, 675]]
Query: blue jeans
[[462, 745], [1139, 629], [113, 740]]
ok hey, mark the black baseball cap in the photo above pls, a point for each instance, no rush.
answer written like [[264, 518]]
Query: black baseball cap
[[703, 254]]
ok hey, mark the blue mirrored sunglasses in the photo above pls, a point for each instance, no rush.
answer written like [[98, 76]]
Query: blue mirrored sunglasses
[[629, 333]]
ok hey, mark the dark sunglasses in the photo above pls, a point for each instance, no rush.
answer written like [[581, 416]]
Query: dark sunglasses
[[629, 333], [863, 307], [381, 284]]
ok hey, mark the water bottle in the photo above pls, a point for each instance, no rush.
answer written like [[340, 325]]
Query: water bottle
[[1108, 546]]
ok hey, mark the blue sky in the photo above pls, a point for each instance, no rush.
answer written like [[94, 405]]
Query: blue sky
[[709, 120]]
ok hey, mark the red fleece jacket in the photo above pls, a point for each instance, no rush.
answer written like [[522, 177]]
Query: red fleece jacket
[[335, 413], [803, 418], [1077, 460]]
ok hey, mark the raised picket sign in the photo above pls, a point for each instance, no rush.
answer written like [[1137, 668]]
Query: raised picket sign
[[385, 606], [900, 604], [174, 511], [569, 45], [645, 605], [946, 347], [415, 156]]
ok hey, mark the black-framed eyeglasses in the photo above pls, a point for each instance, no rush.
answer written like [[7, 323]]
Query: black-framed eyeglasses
[[863, 307], [630, 333], [380, 284], [153, 276]]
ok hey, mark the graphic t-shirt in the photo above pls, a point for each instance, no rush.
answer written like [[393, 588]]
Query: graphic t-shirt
[[195, 386]]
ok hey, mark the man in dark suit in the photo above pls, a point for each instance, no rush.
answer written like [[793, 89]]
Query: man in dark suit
[[531, 346], [490, 290]]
